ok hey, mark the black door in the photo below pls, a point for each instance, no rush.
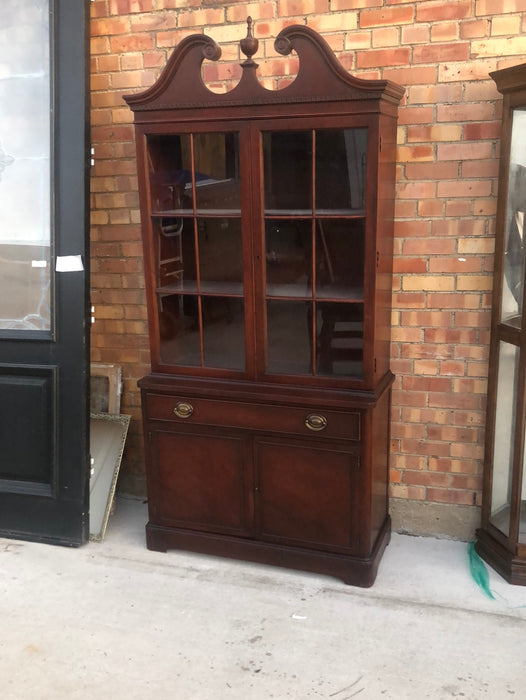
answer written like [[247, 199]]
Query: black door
[[44, 156]]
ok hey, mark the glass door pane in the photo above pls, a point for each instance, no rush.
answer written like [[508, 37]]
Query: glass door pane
[[195, 190], [315, 256], [512, 292], [25, 166], [504, 436]]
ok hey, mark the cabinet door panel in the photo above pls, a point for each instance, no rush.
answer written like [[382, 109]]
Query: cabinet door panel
[[199, 481], [305, 494]]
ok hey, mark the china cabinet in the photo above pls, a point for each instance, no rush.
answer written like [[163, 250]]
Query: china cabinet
[[267, 225], [502, 535]]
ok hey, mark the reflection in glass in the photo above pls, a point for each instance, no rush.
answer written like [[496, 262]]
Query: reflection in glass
[[504, 432], [176, 245], [179, 330], [25, 166], [289, 337], [223, 332], [339, 339], [340, 252], [288, 251], [512, 293], [287, 158], [217, 183], [169, 160], [340, 169], [220, 255]]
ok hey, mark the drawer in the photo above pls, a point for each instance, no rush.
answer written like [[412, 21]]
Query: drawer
[[311, 422]]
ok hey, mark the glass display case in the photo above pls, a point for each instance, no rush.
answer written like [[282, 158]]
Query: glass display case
[[267, 224], [502, 536]]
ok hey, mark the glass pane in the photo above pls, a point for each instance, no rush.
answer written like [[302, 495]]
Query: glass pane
[[340, 252], [176, 245], [25, 165], [220, 256], [224, 332], [340, 169], [179, 329], [339, 339], [217, 184], [504, 436], [288, 250], [287, 157], [289, 337], [512, 292], [170, 166]]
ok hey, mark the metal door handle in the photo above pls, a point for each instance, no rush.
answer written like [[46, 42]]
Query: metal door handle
[[316, 422], [183, 409]]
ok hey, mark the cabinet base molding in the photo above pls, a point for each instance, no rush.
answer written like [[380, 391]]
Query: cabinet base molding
[[511, 568], [352, 570]]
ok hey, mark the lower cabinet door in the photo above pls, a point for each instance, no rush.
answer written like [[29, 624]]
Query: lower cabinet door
[[200, 481], [306, 494]]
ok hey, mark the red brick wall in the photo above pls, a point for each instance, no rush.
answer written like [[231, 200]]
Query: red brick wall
[[448, 147]]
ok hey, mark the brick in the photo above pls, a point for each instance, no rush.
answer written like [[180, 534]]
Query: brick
[[131, 43], [200, 18], [455, 265], [445, 170], [438, 53], [339, 5], [474, 29], [433, 94], [123, 7], [506, 25], [428, 283], [413, 75], [388, 16], [444, 31], [476, 246], [415, 115], [383, 57], [387, 36], [474, 282], [109, 25], [453, 301], [414, 34], [256, 10], [430, 208], [287, 8], [499, 7], [465, 71], [439, 132], [429, 246], [331, 22], [442, 11], [415, 153], [466, 188], [426, 318], [464, 151], [508, 46], [409, 265]]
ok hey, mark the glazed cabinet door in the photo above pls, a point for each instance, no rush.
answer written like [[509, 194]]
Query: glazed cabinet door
[[199, 480], [306, 494], [197, 252], [316, 232]]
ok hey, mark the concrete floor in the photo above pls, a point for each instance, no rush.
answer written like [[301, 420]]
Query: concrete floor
[[113, 620]]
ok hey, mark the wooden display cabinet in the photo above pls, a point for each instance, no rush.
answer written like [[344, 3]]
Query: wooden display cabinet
[[501, 539], [267, 223]]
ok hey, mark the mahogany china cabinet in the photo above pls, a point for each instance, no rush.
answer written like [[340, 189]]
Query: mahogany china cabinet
[[502, 535], [267, 222]]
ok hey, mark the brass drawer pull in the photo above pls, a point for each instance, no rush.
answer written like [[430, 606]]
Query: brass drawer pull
[[183, 409], [315, 422]]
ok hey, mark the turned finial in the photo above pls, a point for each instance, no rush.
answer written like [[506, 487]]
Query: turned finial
[[249, 45]]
